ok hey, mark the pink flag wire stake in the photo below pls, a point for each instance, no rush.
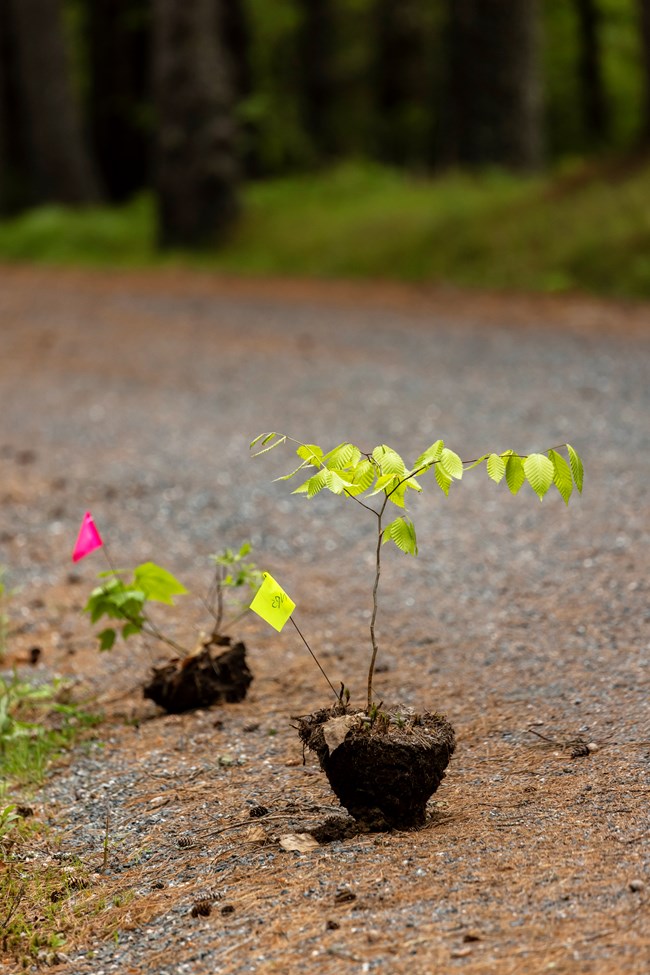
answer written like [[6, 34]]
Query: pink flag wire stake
[[89, 538]]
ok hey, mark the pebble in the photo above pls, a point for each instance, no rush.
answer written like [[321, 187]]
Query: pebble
[[637, 885]]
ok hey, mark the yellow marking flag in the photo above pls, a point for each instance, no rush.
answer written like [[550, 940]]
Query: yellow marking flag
[[272, 603]]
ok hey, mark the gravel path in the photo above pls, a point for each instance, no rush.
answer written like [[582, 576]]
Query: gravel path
[[136, 396]]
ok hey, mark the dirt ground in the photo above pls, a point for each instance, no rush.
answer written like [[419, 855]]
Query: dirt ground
[[135, 396]]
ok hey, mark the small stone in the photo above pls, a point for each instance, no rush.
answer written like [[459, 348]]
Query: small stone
[[636, 885], [460, 952], [593, 747]]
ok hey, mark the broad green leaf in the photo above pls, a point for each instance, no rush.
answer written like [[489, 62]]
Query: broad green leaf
[[515, 476], [496, 467], [316, 483], [107, 639], [562, 478], [430, 455], [451, 463], [396, 493], [130, 629], [410, 482], [335, 483], [388, 460], [576, 467], [362, 477], [157, 584], [311, 453], [384, 482], [540, 472], [402, 532], [443, 479], [345, 455]]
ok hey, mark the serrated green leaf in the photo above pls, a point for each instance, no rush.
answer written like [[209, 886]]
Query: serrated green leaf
[[388, 460], [362, 477], [515, 476], [430, 455], [539, 471], [402, 532], [496, 468], [311, 453], [343, 456], [335, 483], [384, 482], [451, 463], [266, 438], [576, 467], [107, 638], [157, 583], [316, 483], [397, 492], [443, 479], [562, 478]]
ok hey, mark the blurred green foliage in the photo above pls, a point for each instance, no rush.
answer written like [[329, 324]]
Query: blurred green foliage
[[584, 227]]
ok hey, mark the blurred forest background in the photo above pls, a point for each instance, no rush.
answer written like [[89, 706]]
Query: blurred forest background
[[483, 142]]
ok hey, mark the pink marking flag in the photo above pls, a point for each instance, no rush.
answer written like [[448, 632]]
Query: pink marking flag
[[89, 538]]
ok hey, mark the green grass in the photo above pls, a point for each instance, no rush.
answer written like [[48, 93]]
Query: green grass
[[36, 725], [585, 230]]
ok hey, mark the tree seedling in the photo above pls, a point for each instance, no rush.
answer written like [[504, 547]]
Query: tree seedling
[[380, 481], [127, 601], [193, 678]]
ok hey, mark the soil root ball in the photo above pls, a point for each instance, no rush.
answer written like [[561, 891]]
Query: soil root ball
[[201, 679], [382, 770]]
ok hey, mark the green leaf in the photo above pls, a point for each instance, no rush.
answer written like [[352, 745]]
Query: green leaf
[[266, 438], [540, 472], [451, 463], [402, 532], [443, 479], [157, 584], [130, 629], [388, 460], [384, 483], [335, 482], [107, 639], [345, 455], [397, 492], [475, 463], [576, 467], [496, 468], [316, 483], [515, 476], [430, 455], [562, 477], [362, 477], [311, 453]]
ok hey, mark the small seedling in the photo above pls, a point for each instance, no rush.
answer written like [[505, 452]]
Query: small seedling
[[125, 596], [381, 474]]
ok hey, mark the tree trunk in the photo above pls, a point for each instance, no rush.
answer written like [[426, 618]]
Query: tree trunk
[[4, 128], [592, 89], [494, 110], [59, 162], [195, 157], [317, 75], [119, 77], [403, 82], [644, 25]]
